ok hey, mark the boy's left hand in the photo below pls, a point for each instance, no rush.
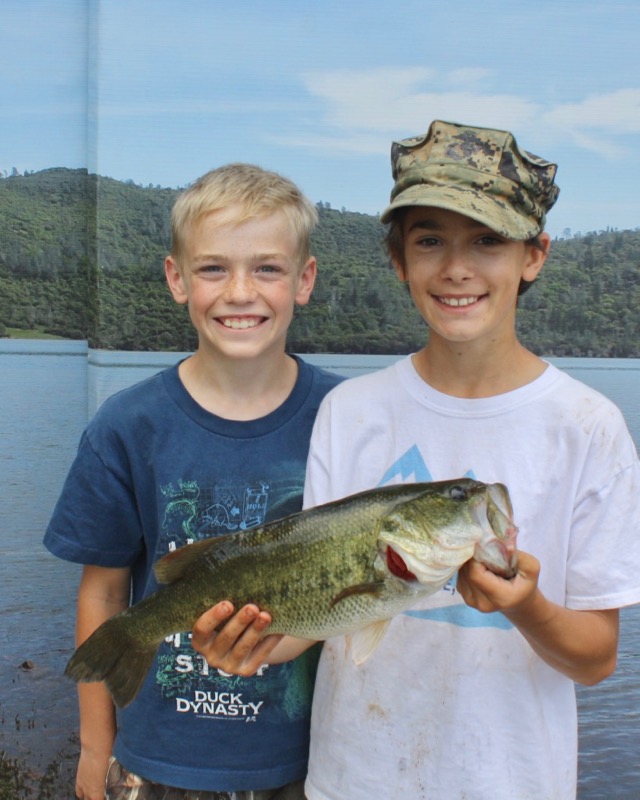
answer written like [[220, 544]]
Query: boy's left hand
[[582, 645], [484, 590]]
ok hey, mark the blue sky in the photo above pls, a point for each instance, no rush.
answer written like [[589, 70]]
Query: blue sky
[[160, 91]]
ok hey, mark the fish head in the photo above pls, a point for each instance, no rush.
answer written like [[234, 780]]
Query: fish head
[[427, 538]]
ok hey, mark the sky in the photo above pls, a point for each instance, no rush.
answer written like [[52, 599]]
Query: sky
[[160, 91]]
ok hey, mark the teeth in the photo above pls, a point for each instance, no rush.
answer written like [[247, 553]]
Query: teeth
[[458, 301], [238, 324]]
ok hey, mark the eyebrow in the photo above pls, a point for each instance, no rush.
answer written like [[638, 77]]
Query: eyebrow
[[425, 224], [207, 257]]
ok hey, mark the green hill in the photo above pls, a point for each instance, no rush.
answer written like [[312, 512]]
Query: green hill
[[81, 256]]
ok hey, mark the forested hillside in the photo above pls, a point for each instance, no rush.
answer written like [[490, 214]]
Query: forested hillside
[[82, 256]]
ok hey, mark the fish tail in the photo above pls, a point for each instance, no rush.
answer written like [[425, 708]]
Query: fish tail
[[114, 656]]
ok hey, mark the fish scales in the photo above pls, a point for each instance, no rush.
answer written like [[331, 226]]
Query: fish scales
[[326, 571], [266, 566]]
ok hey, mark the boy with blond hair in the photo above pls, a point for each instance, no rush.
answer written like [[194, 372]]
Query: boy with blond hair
[[471, 693], [215, 444]]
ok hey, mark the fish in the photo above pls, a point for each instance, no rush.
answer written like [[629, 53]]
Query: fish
[[342, 568]]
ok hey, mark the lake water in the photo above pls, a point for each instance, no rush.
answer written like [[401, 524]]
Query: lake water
[[48, 391]]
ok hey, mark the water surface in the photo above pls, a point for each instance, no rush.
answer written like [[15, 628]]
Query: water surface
[[48, 391]]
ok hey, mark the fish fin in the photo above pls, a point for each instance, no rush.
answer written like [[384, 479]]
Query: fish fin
[[113, 656], [365, 641], [362, 588], [174, 565]]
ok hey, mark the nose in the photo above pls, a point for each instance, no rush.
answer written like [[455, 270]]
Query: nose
[[456, 265], [239, 288]]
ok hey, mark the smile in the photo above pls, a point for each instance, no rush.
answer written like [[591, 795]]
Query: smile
[[456, 302], [240, 323]]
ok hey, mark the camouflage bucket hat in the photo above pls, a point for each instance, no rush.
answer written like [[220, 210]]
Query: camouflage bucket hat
[[478, 172]]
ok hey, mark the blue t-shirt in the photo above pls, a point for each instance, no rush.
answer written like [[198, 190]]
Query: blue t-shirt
[[155, 471]]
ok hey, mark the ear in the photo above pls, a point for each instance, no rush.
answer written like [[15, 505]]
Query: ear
[[306, 282], [401, 270], [536, 256], [175, 280]]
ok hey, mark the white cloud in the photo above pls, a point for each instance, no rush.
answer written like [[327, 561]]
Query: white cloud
[[362, 98], [600, 122], [617, 112], [401, 102], [362, 109]]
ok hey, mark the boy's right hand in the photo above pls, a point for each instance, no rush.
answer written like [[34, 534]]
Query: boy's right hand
[[239, 647], [91, 775]]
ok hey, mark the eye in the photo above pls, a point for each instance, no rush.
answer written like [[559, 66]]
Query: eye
[[458, 493], [490, 240], [428, 241]]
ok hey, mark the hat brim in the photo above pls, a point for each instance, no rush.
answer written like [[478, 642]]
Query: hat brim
[[497, 215]]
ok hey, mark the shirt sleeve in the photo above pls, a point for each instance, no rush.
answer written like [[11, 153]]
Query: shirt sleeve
[[95, 520], [604, 555], [604, 552]]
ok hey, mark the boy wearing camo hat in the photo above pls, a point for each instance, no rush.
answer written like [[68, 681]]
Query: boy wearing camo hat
[[471, 693]]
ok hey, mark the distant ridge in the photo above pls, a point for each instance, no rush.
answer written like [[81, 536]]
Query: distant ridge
[[82, 256]]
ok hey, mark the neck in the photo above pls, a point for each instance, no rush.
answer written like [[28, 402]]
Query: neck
[[471, 371], [239, 390]]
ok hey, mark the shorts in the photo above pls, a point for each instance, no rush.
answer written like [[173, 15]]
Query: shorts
[[124, 785]]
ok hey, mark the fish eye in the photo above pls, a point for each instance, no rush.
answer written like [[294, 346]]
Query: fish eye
[[458, 493]]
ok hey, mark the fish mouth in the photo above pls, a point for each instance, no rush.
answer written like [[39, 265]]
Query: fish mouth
[[497, 549], [398, 567]]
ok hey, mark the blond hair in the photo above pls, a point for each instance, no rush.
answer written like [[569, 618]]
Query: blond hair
[[257, 193]]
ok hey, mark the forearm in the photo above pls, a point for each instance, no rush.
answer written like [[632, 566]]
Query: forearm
[[287, 649], [97, 719], [97, 734], [582, 645], [103, 592]]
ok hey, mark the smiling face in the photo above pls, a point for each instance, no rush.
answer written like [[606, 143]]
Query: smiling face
[[241, 282], [463, 276]]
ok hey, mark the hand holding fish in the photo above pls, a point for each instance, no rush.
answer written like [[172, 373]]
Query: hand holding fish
[[239, 647], [580, 644], [486, 591]]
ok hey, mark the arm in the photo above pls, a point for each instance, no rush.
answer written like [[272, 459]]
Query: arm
[[582, 645], [103, 592], [239, 647]]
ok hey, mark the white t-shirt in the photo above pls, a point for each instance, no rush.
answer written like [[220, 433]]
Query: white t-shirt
[[454, 703]]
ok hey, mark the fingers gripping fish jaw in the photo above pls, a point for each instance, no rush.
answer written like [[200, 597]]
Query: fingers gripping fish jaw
[[497, 549]]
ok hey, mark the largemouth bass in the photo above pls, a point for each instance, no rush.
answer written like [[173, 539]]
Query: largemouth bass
[[345, 567]]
